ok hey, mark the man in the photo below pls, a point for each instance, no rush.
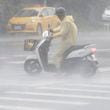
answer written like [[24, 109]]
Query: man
[[67, 31]]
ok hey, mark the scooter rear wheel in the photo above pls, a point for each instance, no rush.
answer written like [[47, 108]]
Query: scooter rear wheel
[[32, 66], [88, 68]]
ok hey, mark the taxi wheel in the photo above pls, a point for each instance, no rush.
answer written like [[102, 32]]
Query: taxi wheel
[[39, 29]]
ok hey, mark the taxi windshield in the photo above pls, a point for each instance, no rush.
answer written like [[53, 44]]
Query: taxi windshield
[[27, 13]]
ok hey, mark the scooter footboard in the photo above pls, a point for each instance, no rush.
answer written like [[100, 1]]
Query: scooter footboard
[[71, 64]]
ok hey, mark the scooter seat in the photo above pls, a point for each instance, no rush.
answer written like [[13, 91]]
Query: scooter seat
[[77, 47], [73, 48]]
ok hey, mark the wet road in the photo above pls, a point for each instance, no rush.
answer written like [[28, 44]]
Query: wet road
[[50, 91]]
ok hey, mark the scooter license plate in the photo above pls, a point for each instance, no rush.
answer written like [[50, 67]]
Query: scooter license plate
[[94, 58]]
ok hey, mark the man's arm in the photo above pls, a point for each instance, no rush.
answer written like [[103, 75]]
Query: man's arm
[[57, 29], [62, 31]]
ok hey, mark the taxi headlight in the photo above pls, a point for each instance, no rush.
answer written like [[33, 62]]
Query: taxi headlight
[[9, 25]]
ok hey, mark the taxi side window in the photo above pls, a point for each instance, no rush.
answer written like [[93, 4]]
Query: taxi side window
[[44, 12], [51, 11], [35, 13]]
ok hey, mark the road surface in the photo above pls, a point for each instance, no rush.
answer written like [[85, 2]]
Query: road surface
[[51, 91]]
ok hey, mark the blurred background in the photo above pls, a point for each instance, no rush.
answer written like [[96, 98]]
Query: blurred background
[[87, 13]]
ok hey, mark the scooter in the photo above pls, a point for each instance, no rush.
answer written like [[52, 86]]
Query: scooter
[[76, 59]]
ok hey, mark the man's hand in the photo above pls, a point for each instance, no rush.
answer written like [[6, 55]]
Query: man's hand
[[51, 30]]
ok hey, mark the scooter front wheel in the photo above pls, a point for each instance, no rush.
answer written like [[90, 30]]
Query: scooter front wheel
[[32, 66]]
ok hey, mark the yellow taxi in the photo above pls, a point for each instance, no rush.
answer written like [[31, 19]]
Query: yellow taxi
[[33, 19]]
